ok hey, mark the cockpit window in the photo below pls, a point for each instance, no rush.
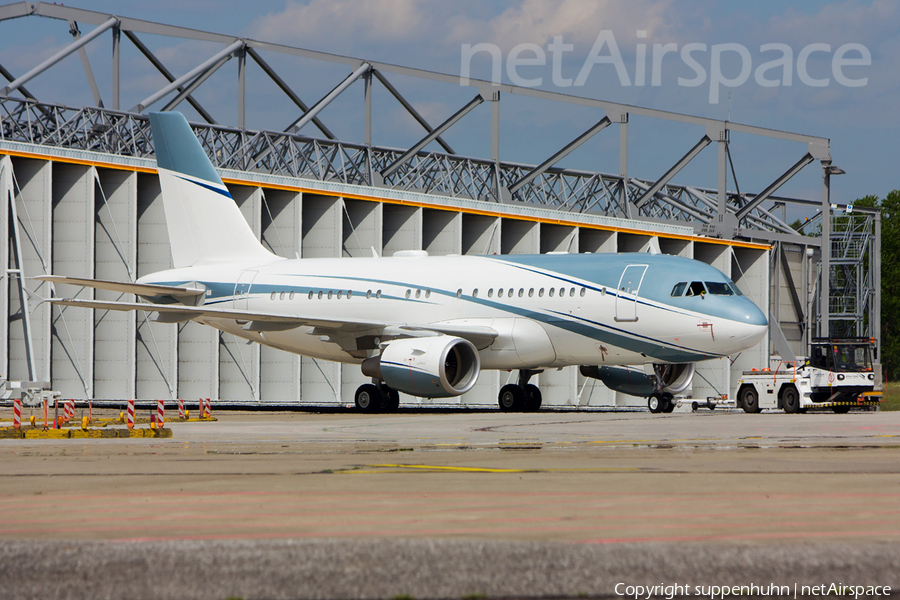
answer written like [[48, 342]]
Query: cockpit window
[[736, 289], [719, 288], [678, 290], [696, 288]]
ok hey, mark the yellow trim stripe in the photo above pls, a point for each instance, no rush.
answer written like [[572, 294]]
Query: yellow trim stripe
[[372, 198]]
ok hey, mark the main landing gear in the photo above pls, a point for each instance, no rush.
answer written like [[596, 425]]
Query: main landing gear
[[377, 397], [522, 396], [664, 402]]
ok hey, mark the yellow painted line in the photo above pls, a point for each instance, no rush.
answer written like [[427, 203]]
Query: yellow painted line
[[371, 198], [455, 469]]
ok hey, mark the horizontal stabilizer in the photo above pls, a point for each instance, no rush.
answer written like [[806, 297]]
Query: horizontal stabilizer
[[141, 289]]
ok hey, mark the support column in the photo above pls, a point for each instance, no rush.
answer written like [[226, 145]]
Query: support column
[[825, 286]]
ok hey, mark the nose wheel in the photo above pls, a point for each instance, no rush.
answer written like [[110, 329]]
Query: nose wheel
[[661, 403]]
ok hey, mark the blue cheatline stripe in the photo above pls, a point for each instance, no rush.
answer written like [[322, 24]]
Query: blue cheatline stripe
[[217, 190], [615, 336]]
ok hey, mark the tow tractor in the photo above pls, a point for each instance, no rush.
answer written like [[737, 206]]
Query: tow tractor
[[839, 374]]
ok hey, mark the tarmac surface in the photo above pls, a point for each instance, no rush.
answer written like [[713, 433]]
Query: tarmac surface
[[456, 504]]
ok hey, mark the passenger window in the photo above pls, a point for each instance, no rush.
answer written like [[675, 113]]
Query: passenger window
[[475, 293], [330, 294], [696, 288], [340, 294], [272, 297], [491, 293], [368, 294], [510, 292], [281, 297], [418, 293], [320, 294], [678, 290], [499, 292], [531, 293], [310, 295], [550, 291], [378, 294], [349, 294], [291, 296], [428, 293], [408, 293], [562, 292], [541, 293], [571, 292], [583, 292], [521, 292], [459, 293]]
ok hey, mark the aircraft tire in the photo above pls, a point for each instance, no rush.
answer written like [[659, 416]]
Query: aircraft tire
[[749, 399], [512, 398], [790, 399], [533, 398], [655, 403], [368, 398], [391, 399], [670, 402]]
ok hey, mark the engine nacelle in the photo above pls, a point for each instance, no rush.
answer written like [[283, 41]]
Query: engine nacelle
[[634, 381], [433, 367]]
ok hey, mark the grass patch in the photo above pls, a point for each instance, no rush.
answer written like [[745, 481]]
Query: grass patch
[[891, 399]]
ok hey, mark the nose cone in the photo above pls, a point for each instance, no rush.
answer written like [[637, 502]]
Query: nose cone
[[754, 323]]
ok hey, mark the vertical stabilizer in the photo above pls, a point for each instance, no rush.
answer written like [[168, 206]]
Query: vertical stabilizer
[[205, 225]]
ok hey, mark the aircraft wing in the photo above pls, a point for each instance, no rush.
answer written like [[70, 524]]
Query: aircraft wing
[[141, 289], [262, 321]]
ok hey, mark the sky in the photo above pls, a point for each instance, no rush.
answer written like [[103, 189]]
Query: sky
[[825, 69]]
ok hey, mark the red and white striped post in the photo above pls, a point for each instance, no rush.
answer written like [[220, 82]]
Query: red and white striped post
[[17, 413], [208, 408], [160, 413], [70, 409], [129, 414], [181, 409]]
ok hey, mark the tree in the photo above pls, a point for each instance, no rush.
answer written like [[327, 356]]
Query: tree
[[890, 280]]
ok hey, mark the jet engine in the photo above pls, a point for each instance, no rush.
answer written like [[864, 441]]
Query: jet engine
[[433, 367], [634, 381]]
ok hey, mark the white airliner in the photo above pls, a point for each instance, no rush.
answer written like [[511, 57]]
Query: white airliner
[[428, 325]]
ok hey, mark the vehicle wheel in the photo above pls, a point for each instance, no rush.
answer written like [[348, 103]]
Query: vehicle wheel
[[390, 399], [533, 398], [749, 399], [670, 402], [368, 398], [655, 403], [841, 409], [790, 399], [694, 406], [512, 398]]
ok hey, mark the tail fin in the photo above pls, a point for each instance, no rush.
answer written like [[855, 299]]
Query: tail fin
[[205, 225]]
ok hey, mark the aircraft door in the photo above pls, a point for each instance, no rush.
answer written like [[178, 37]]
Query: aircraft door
[[627, 292], [242, 289]]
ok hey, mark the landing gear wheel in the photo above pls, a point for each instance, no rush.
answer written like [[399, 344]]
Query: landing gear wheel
[[369, 398], [749, 399], [391, 399], [841, 409], [533, 398], [512, 398], [790, 399], [655, 403], [669, 400]]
